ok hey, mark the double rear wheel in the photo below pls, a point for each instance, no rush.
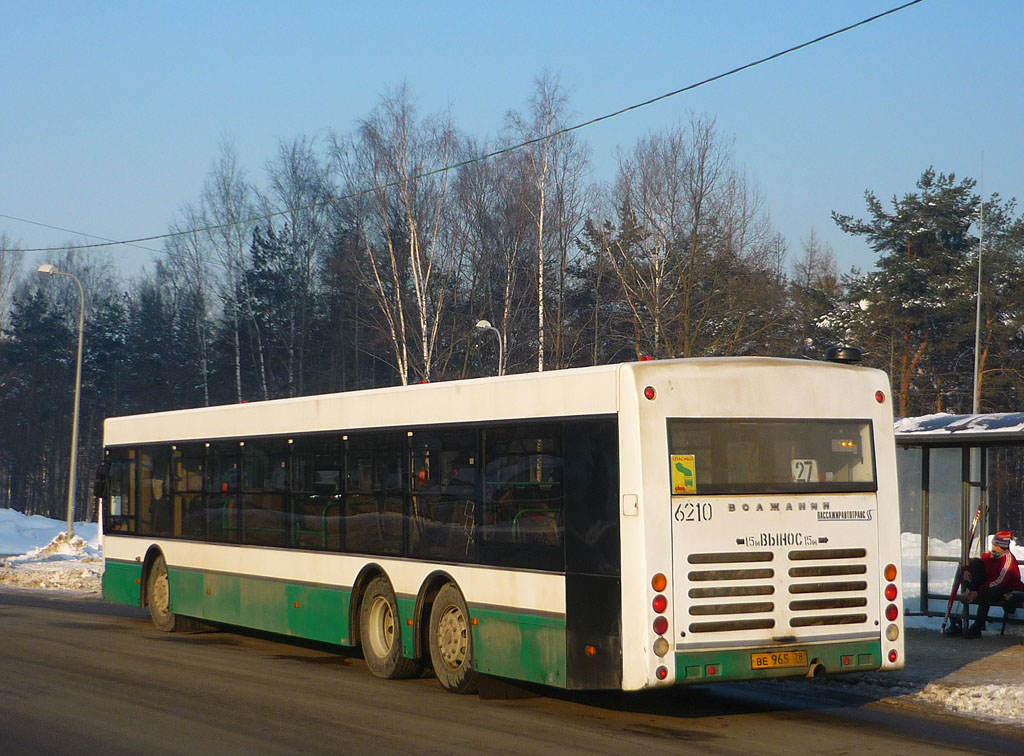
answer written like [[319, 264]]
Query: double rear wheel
[[380, 632], [451, 641]]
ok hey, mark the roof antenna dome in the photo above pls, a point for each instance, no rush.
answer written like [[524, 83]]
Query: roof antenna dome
[[846, 355]]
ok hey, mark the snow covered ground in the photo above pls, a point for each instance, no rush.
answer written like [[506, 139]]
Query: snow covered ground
[[45, 559]]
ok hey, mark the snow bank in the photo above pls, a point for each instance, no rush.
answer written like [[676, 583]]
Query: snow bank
[[19, 533], [44, 557], [994, 703]]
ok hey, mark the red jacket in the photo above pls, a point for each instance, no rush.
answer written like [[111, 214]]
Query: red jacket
[[1001, 572]]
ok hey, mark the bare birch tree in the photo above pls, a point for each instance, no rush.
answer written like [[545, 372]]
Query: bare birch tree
[[691, 249], [10, 262], [189, 260], [545, 116], [404, 224], [228, 206], [299, 188]]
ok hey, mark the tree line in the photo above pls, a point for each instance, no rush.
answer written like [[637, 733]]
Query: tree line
[[360, 261]]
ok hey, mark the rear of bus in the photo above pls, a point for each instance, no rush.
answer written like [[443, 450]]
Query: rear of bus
[[766, 511]]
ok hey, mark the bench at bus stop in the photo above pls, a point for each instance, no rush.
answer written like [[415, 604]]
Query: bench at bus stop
[[1010, 603]]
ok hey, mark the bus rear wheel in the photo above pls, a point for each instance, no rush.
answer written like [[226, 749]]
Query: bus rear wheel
[[380, 632], [158, 597], [451, 641]]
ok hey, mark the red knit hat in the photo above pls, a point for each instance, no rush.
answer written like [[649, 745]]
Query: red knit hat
[[1002, 539]]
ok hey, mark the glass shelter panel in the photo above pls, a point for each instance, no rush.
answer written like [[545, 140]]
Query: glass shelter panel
[[945, 517], [945, 494]]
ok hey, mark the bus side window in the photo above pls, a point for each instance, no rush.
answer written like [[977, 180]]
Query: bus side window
[[154, 502], [523, 520], [220, 497], [189, 518], [120, 508]]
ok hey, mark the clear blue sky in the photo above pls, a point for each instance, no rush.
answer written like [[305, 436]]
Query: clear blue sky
[[111, 114]]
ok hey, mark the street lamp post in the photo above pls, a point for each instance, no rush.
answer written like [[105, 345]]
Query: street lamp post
[[485, 325], [50, 270]]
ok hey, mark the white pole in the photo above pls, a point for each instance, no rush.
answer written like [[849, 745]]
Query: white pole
[[51, 270], [976, 407]]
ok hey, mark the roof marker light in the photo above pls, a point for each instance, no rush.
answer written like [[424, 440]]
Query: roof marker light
[[880, 397], [650, 393]]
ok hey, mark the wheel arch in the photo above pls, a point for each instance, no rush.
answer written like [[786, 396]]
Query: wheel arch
[[432, 584], [366, 574]]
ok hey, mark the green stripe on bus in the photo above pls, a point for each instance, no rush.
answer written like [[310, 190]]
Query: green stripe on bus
[[303, 611], [520, 646], [121, 582], [516, 645], [407, 609], [716, 666]]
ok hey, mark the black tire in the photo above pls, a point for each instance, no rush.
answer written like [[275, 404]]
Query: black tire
[[380, 633], [451, 641], [158, 597]]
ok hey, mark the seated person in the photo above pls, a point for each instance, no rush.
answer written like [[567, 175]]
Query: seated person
[[990, 578]]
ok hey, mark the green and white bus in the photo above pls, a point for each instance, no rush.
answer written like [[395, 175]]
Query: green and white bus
[[621, 527]]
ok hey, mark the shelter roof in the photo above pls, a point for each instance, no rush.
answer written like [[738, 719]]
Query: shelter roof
[[997, 428]]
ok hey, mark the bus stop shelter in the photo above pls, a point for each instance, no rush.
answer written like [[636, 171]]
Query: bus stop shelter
[[950, 467]]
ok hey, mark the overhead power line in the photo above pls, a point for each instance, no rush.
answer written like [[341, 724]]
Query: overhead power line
[[504, 150], [70, 231]]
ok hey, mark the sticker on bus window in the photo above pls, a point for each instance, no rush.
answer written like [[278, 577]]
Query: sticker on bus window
[[684, 476], [805, 470]]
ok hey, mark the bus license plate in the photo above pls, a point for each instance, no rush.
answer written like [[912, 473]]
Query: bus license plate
[[778, 659]]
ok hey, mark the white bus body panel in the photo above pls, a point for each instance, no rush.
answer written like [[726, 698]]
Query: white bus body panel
[[653, 542]]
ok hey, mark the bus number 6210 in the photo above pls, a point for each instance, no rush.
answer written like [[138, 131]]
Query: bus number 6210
[[691, 512]]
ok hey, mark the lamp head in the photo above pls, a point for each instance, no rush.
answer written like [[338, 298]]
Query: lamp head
[[483, 324], [47, 269]]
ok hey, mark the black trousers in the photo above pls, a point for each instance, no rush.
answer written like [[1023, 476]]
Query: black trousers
[[987, 597]]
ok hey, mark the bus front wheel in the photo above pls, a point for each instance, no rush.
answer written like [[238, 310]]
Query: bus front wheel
[[451, 641], [158, 596], [380, 632]]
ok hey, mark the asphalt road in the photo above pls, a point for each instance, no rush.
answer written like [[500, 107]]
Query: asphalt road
[[83, 677]]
